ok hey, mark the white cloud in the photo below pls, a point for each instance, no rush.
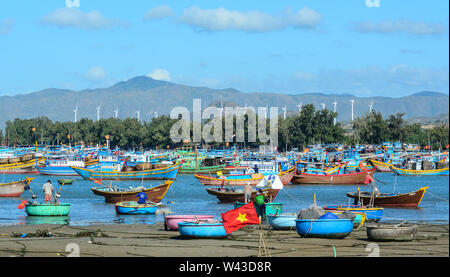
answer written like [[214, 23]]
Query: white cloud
[[6, 26], [221, 19], [158, 13], [96, 74], [70, 17], [400, 26], [159, 74]]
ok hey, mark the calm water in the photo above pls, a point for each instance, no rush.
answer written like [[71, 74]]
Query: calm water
[[186, 196]]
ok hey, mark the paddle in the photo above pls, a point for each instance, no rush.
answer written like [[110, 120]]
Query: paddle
[[58, 195]]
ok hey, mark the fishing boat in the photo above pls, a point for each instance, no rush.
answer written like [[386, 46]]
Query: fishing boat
[[431, 172], [231, 195], [16, 166], [115, 194], [334, 179], [242, 180], [410, 199], [202, 229], [373, 214], [59, 209], [133, 207], [381, 166], [60, 166], [65, 181], [171, 221], [324, 228], [391, 232], [165, 172], [14, 189]]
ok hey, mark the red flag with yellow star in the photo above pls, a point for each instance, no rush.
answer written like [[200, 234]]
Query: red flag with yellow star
[[235, 219]]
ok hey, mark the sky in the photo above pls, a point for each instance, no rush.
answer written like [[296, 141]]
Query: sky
[[361, 47]]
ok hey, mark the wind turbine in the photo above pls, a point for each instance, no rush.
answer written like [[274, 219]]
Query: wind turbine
[[221, 107], [75, 111], [98, 111], [138, 113], [353, 102], [299, 107], [116, 112], [334, 109], [245, 108], [284, 112]]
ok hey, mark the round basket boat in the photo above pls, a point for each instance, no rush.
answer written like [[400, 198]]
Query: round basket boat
[[324, 228], [390, 232], [171, 221], [47, 209], [202, 230]]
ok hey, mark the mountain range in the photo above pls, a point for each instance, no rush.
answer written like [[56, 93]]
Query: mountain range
[[150, 96]]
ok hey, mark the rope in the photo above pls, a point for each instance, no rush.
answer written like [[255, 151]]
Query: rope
[[291, 196], [438, 196]]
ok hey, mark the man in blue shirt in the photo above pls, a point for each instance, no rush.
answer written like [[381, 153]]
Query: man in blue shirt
[[142, 197]]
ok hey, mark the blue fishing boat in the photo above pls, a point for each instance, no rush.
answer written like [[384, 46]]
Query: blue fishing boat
[[165, 172], [133, 207], [202, 229], [423, 172], [373, 214], [60, 166], [324, 228]]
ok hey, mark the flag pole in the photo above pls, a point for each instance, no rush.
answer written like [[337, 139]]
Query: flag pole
[[262, 241]]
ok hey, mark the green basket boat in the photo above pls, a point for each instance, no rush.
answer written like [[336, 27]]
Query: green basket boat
[[65, 181], [47, 209]]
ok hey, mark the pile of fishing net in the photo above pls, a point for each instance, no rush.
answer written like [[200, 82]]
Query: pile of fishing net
[[316, 212]]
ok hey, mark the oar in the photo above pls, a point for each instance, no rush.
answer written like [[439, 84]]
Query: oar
[[59, 193]]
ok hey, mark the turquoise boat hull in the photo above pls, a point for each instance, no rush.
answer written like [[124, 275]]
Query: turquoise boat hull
[[132, 207], [282, 221], [271, 208], [324, 228], [201, 230], [47, 209]]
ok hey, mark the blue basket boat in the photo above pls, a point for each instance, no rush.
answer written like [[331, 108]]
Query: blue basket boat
[[133, 207], [284, 221], [324, 228], [202, 230]]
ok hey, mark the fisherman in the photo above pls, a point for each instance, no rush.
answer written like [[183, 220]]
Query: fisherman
[[48, 190], [260, 202], [142, 197], [247, 193]]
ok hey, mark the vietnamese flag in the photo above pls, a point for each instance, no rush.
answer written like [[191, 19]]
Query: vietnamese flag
[[97, 181], [22, 205], [236, 219]]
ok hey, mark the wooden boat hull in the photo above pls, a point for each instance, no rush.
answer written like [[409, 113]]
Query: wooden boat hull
[[372, 214], [28, 167], [165, 173], [47, 209], [433, 172], [201, 230], [386, 232], [14, 189], [231, 197], [171, 221], [333, 179], [381, 166], [132, 207], [155, 194], [411, 199], [324, 228], [285, 178]]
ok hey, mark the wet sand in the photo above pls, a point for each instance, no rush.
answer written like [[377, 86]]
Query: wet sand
[[122, 240]]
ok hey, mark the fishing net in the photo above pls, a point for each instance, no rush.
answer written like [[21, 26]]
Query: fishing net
[[312, 212]]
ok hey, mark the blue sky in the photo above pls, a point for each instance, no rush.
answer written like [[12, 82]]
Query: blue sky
[[298, 46]]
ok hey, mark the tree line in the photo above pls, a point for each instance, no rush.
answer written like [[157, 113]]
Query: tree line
[[310, 126]]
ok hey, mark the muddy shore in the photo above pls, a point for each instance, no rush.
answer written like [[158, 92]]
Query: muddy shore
[[122, 240]]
